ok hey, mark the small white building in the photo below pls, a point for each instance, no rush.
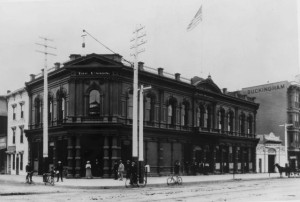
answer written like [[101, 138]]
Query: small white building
[[269, 151], [17, 121]]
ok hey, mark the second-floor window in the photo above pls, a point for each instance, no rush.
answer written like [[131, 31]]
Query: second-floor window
[[14, 136], [94, 103], [14, 112], [250, 125], [21, 135], [242, 124], [129, 106], [22, 111], [230, 121], [38, 110]]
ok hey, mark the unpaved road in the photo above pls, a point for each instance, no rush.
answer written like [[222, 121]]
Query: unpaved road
[[255, 190]]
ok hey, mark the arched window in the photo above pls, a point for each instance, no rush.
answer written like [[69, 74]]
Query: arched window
[[221, 119], [198, 117], [230, 121], [184, 113], [94, 103], [242, 123], [130, 106], [149, 107], [250, 125], [50, 108], [172, 111], [38, 110], [61, 105]]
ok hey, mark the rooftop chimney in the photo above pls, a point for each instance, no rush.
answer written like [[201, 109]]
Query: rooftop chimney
[[56, 65], [177, 76], [225, 90], [141, 66], [160, 71], [74, 56], [32, 77], [8, 91]]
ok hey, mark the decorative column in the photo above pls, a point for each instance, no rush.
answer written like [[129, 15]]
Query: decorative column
[[115, 150], [243, 159], [160, 156], [106, 157], [70, 157], [236, 153], [221, 158], [78, 157], [213, 159], [54, 151]]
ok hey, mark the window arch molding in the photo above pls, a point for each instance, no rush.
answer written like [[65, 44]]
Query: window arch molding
[[185, 112]]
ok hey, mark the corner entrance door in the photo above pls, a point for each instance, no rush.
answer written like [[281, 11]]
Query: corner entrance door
[[17, 165], [260, 166], [271, 163]]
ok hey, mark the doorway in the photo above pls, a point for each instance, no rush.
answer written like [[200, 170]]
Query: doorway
[[271, 163], [17, 165]]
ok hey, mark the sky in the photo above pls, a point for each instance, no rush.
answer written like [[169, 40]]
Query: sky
[[240, 43]]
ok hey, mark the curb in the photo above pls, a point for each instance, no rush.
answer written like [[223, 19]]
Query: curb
[[148, 185]]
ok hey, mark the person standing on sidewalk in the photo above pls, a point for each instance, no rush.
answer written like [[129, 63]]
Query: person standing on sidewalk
[[127, 168], [29, 172], [121, 170], [59, 171], [115, 170], [88, 170]]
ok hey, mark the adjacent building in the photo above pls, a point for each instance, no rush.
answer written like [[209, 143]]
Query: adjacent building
[[17, 145], [3, 134], [90, 117], [279, 105], [268, 152]]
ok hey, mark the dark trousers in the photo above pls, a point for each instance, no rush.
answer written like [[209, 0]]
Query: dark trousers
[[29, 176], [60, 174]]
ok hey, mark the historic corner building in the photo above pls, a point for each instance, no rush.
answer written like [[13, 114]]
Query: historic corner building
[[279, 104], [90, 117], [268, 152], [3, 134], [17, 145]]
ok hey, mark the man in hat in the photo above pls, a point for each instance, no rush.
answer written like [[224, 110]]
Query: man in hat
[[59, 171]]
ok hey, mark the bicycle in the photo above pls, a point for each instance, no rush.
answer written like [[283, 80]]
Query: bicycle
[[48, 179], [171, 180], [129, 182]]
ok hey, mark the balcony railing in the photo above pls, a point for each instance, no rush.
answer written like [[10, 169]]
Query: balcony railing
[[147, 124]]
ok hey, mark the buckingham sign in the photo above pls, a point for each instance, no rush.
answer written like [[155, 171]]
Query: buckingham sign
[[266, 89]]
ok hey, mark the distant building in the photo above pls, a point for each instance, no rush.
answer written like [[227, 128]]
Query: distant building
[[3, 134], [90, 117], [279, 104], [17, 144], [268, 152]]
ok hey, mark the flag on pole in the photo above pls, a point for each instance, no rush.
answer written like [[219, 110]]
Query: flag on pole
[[195, 20]]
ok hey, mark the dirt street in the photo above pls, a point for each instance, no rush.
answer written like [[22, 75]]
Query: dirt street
[[255, 190]]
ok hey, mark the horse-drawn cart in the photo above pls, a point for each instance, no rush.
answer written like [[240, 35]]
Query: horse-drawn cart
[[288, 171]]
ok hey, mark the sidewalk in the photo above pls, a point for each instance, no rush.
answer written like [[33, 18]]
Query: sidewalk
[[99, 183]]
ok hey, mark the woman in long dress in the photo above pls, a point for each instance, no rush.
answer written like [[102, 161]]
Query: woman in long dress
[[88, 170]]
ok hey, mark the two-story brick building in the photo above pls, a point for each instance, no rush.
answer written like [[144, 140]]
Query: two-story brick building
[[90, 117]]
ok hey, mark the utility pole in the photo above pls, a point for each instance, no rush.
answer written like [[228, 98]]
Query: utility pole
[[45, 104], [285, 140], [138, 41]]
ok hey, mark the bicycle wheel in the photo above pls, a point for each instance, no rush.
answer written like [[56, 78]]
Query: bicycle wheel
[[179, 180], [170, 180], [127, 183]]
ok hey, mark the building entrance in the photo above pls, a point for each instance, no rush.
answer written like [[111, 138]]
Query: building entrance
[[271, 163]]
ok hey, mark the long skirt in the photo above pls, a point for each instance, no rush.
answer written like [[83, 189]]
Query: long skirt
[[88, 173]]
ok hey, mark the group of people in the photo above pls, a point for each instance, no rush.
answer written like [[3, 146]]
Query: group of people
[[130, 168], [58, 171]]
